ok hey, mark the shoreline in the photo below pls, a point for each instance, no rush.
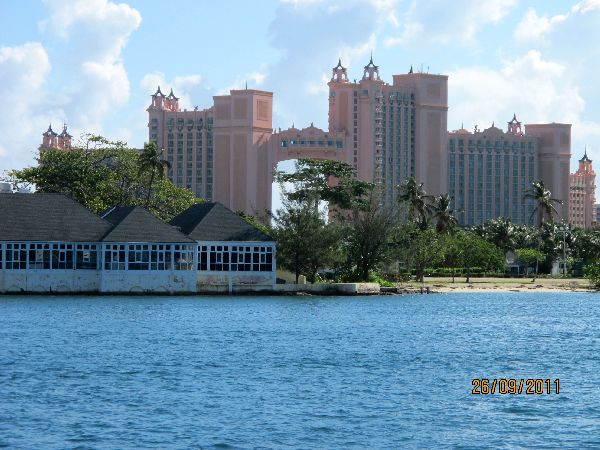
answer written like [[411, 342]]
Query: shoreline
[[547, 285]]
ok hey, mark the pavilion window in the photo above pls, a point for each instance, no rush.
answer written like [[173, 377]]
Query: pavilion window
[[183, 255], [16, 256], [86, 256], [114, 257], [62, 256], [159, 257], [219, 258], [138, 257], [203, 258]]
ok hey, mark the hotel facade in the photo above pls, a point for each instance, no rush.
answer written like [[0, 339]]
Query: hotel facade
[[491, 170], [386, 132], [582, 195]]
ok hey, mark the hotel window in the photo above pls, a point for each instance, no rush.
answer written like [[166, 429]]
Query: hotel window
[[506, 185]]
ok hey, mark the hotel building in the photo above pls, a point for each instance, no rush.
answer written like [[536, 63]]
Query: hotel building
[[386, 132], [51, 139], [489, 171], [582, 194]]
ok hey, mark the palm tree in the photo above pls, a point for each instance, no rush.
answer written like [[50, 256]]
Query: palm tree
[[442, 215], [414, 194], [545, 207], [502, 233], [151, 162], [545, 202]]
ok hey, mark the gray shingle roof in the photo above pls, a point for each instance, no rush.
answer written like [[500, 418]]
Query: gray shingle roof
[[135, 224], [214, 222], [48, 217]]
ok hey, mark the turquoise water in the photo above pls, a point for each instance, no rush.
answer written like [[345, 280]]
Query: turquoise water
[[308, 372]]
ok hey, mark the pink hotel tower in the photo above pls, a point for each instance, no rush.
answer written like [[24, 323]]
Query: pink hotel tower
[[386, 132]]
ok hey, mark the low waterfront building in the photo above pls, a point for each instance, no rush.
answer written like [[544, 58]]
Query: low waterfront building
[[142, 253], [50, 243], [232, 253]]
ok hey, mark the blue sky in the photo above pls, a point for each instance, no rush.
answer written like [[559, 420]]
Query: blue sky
[[94, 63]]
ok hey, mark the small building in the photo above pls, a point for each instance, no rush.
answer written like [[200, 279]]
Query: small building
[[233, 255], [141, 253], [50, 243]]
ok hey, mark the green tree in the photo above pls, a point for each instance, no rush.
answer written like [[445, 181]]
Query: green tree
[[419, 248], [152, 166], [366, 232], [544, 208], [102, 177], [442, 216], [329, 181], [305, 242], [544, 202], [454, 252], [480, 253], [415, 197], [586, 245], [592, 273], [529, 257]]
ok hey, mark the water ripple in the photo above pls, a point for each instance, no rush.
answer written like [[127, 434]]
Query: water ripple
[[238, 373]]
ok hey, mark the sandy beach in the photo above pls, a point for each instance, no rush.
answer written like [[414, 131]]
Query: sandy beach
[[445, 285]]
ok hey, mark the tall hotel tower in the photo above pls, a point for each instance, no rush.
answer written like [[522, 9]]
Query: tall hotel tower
[[220, 153], [393, 132], [582, 194]]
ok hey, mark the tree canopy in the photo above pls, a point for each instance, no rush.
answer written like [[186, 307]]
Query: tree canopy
[[108, 175]]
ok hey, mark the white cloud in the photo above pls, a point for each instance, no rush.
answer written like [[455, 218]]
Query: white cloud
[[586, 6], [441, 22], [23, 72], [537, 90], [94, 33], [533, 28], [311, 38]]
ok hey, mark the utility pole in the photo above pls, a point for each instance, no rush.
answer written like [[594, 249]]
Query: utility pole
[[564, 233]]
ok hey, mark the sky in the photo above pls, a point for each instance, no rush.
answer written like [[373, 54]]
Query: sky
[[93, 64]]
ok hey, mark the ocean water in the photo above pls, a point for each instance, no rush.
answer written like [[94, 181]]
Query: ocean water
[[298, 372]]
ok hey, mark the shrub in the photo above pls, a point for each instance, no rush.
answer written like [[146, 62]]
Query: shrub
[[592, 273]]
